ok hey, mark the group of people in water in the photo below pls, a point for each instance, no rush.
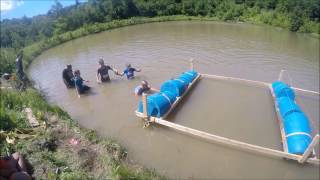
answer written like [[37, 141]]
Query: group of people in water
[[73, 79]]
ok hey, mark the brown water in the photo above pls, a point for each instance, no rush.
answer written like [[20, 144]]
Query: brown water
[[239, 111]]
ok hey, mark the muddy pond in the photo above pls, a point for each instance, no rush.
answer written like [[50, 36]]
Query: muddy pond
[[234, 110]]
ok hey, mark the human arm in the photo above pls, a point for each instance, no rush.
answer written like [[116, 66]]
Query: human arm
[[98, 76], [154, 89], [115, 71]]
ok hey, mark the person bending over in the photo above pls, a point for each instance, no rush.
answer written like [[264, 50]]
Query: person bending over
[[144, 88], [78, 81], [103, 72], [67, 76], [129, 71]]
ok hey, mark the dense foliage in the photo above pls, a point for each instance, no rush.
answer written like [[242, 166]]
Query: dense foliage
[[296, 15]]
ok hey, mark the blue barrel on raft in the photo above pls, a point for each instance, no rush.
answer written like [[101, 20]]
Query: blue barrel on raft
[[188, 76], [295, 122], [287, 106], [298, 132], [176, 86], [282, 90], [158, 104]]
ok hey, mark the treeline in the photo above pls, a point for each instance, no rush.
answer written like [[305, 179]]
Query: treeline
[[296, 15]]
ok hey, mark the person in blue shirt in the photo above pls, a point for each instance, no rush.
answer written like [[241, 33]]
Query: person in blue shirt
[[81, 88], [129, 71]]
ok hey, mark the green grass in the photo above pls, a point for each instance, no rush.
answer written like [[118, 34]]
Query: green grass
[[48, 150]]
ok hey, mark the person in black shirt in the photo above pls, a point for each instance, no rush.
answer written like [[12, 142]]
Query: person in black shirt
[[103, 72], [68, 77]]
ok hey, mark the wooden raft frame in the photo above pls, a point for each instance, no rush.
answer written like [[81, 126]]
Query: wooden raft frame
[[231, 142]]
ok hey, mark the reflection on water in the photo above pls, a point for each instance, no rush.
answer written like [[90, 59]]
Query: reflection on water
[[230, 109]]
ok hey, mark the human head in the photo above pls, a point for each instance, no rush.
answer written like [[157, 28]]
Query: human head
[[128, 65], [77, 72], [144, 83], [101, 62], [69, 66]]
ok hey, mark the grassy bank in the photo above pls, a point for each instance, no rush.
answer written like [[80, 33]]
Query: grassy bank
[[59, 148]]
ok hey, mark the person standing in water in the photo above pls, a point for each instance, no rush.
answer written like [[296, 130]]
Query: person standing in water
[[103, 72], [68, 77], [20, 73], [129, 71], [78, 81]]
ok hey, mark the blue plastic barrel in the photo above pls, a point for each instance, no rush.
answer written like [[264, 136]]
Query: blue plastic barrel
[[296, 122], [188, 76], [287, 106], [281, 90], [170, 96], [177, 87], [298, 132], [158, 104], [298, 144]]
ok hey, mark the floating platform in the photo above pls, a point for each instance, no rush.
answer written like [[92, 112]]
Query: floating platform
[[301, 142]]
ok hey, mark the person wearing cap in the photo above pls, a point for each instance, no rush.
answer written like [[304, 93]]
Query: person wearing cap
[[144, 88], [67, 76], [129, 71], [103, 72], [78, 81]]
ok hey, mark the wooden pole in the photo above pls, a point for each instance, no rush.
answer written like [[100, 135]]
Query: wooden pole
[[304, 90], [191, 65], [233, 143], [251, 81], [235, 79], [280, 75], [145, 105], [310, 148]]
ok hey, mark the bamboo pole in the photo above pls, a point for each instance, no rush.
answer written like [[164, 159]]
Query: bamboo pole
[[145, 105], [233, 143], [281, 75], [191, 65], [310, 148], [304, 90], [235, 79], [255, 82]]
